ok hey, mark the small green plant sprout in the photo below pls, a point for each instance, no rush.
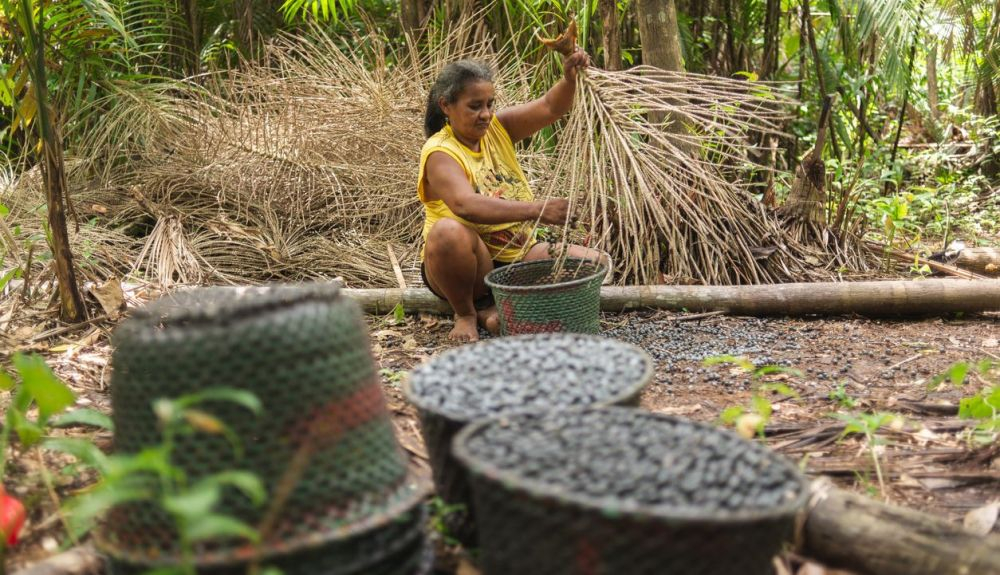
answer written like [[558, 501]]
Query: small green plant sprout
[[439, 513], [984, 405], [752, 419], [868, 425], [150, 476], [398, 314], [394, 376], [842, 398]]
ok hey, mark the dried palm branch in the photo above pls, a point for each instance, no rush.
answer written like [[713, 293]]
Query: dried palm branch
[[651, 160]]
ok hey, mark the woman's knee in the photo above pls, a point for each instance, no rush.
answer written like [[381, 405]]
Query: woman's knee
[[447, 236]]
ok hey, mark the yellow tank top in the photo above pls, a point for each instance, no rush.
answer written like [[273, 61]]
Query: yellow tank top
[[493, 171]]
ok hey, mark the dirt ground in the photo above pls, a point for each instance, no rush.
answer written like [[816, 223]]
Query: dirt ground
[[931, 460]]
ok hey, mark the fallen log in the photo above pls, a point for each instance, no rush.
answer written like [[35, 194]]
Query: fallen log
[[872, 298], [985, 261], [854, 532]]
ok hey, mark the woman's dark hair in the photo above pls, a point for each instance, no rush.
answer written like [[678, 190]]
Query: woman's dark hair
[[449, 84]]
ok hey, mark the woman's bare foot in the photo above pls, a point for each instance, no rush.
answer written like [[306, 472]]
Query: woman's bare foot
[[489, 319], [465, 328]]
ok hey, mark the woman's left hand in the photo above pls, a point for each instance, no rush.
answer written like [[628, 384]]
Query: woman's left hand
[[575, 62]]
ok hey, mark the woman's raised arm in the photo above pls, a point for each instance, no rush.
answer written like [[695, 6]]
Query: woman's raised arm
[[523, 120]]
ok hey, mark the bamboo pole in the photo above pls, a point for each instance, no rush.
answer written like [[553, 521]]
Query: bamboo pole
[[872, 298]]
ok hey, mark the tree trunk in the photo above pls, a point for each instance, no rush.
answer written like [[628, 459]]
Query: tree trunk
[[772, 38], [808, 194], [409, 15], [854, 532], [71, 307], [876, 299], [659, 34], [932, 86], [661, 44], [194, 31], [610, 34]]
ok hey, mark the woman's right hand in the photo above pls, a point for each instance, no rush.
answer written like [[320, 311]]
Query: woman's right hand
[[555, 211]]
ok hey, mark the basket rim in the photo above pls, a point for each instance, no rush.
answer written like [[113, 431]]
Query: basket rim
[[490, 278], [519, 485], [648, 373], [406, 496]]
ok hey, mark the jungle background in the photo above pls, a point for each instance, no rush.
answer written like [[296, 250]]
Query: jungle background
[[154, 144]]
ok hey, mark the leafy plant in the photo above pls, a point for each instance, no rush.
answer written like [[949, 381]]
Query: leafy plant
[[842, 398], [398, 314], [42, 392], [984, 405], [868, 424], [751, 420], [150, 476], [439, 513]]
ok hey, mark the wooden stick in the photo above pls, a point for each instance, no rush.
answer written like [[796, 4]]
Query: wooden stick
[[395, 267], [926, 297]]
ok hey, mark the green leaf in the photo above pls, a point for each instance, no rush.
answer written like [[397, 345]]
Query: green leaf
[[731, 414], [739, 361], [237, 396], [84, 416], [191, 503], [84, 509], [81, 449], [398, 313], [247, 482], [762, 406], [780, 388], [8, 276], [154, 460], [213, 526], [973, 408], [50, 394], [956, 373], [6, 381], [28, 432]]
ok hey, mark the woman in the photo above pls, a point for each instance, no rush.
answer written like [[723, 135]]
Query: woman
[[479, 211]]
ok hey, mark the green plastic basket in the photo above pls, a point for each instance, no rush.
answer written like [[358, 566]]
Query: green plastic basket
[[556, 295], [304, 351]]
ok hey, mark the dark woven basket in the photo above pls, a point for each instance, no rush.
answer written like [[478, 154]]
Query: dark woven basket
[[548, 296], [552, 376], [398, 548], [303, 350], [570, 495]]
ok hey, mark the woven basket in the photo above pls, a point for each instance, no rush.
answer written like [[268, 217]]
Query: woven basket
[[532, 522], [548, 296], [303, 350], [398, 548], [544, 372]]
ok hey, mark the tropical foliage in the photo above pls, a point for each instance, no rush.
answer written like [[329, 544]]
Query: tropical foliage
[[910, 145]]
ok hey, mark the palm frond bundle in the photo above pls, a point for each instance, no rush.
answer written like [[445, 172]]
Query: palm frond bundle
[[649, 156]]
